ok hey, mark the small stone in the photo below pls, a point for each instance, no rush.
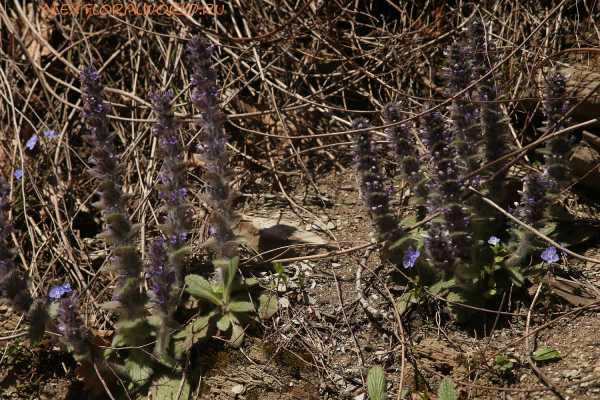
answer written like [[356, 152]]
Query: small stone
[[307, 227], [335, 265], [284, 302], [360, 397], [523, 377], [318, 227], [237, 389], [330, 225]]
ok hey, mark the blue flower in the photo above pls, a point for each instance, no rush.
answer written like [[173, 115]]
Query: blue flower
[[550, 255], [494, 241], [50, 133], [19, 173], [56, 292], [410, 257], [31, 142], [563, 253], [66, 287]]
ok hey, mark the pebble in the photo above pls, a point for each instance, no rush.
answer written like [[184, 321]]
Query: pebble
[[237, 389], [307, 227], [330, 225], [336, 265], [284, 302]]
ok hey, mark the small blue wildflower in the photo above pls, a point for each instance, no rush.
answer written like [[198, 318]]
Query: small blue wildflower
[[19, 173], [50, 133], [562, 252], [66, 287], [550, 255], [410, 257], [32, 142], [56, 292], [494, 241]]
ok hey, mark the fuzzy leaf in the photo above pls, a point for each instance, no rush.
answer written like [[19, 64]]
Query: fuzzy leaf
[[224, 323], [241, 307], [237, 335], [154, 320], [458, 312], [446, 390], [137, 366], [129, 324], [267, 306], [200, 287], [405, 302], [515, 276], [228, 277], [376, 383], [244, 285], [166, 387], [441, 285], [111, 305], [199, 330]]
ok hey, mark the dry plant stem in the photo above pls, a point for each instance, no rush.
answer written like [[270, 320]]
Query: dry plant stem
[[533, 332], [102, 380], [540, 373], [363, 264], [361, 294], [533, 230], [337, 288]]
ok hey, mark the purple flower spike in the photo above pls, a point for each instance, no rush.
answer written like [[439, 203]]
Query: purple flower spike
[[212, 151], [557, 150], [373, 181], [550, 255]]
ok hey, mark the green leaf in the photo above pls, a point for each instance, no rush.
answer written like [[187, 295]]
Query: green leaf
[[441, 285], [166, 387], [267, 306], [200, 287], [545, 353], [376, 384], [246, 284], [498, 259], [137, 366], [459, 312], [224, 323], [446, 390], [241, 307], [228, 277], [237, 335], [405, 302], [196, 331], [515, 276], [110, 305]]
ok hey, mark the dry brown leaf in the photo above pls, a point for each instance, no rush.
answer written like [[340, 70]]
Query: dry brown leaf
[[86, 368], [35, 50]]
